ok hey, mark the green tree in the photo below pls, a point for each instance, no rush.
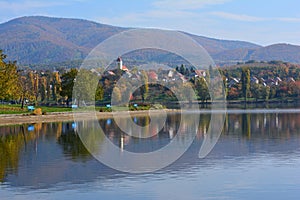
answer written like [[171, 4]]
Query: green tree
[[202, 89], [67, 84], [256, 90], [99, 92], [144, 89], [188, 92], [117, 95], [265, 92], [85, 86]]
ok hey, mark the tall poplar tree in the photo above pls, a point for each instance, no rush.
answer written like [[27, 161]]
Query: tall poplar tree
[[245, 79]]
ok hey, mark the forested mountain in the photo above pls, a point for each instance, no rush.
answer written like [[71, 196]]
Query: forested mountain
[[45, 40], [33, 40]]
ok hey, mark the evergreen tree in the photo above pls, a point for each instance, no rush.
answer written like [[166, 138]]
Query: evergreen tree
[[67, 84]]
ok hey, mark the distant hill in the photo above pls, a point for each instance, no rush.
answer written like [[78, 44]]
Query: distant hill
[[46, 40], [215, 46], [32, 40], [282, 52]]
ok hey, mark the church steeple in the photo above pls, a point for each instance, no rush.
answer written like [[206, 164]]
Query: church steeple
[[120, 63]]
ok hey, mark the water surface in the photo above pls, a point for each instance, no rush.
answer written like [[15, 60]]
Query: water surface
[[257, 157]]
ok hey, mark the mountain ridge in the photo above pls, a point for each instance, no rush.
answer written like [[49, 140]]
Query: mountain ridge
[[44, 40]]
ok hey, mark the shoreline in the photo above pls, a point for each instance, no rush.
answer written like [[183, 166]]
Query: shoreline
[[19, 119]]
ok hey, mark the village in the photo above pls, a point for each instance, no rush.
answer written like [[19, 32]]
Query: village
[[260, 84]]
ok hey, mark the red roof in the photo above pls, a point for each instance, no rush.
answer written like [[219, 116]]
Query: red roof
[[124, 68], [152, 75]]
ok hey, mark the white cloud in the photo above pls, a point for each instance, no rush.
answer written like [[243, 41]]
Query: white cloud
[[152, 15], [237, 17], [288, 19], [249, 18], [163, 11], [186, 4], [27, 5]]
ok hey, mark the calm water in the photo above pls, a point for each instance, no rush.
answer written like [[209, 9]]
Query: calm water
[[257, 157]]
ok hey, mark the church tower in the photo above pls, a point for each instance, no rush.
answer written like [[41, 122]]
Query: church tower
[[120, 63]]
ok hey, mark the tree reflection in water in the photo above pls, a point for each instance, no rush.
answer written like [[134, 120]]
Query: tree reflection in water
[[257, 129]]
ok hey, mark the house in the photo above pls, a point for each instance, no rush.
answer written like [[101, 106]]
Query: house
[[233, 81], [200, 73], [277, 80], [270, 82], [290, 80], [135, 77], [171, 74], [111, 73], [254, 80], [152, 75]]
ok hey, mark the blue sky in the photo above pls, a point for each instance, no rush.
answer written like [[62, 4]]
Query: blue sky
[[260, 21]]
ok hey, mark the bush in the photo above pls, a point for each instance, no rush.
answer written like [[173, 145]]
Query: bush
[[37, 111], [105, 109]]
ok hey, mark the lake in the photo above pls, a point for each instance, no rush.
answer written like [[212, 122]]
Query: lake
[[257, 156]]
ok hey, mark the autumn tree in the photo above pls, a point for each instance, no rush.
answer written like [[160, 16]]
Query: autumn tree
[[8, 79], [43, 88], [24, 89], [56, 86], [245, 80]]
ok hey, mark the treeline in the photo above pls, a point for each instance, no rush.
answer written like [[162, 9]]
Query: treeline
[[274, 80], [251, 81]]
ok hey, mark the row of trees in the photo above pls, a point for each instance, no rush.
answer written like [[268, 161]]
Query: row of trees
[[32, 86], [287, 88], [50, 87]]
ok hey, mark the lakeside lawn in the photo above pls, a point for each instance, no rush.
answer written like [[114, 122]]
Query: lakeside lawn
[[240, 103], [16, 109]]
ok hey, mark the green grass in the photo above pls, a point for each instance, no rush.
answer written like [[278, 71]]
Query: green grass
[[11, 109], [16, 109], [54, 109]]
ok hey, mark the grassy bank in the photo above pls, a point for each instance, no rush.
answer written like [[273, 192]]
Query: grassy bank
[[16, 109], [250, 104]]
